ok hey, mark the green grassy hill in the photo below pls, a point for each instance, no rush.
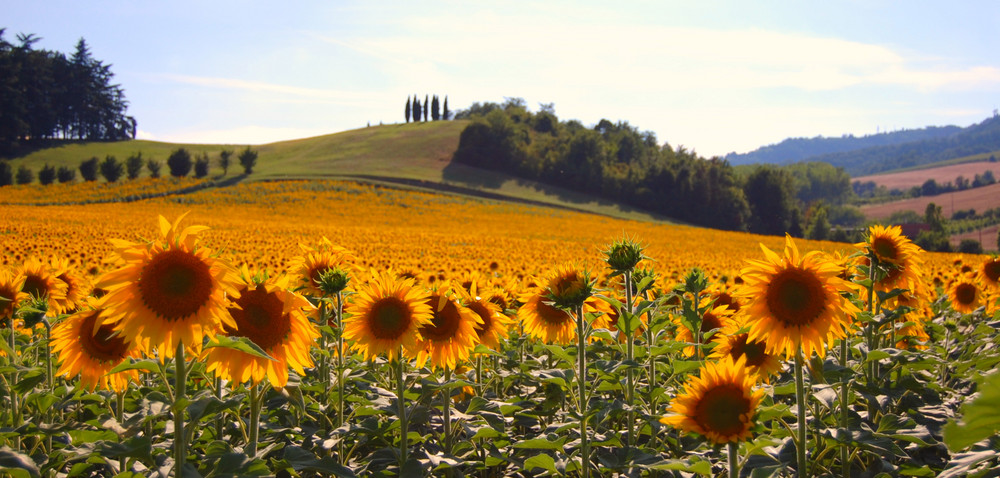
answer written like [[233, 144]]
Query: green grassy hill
[[416, 155]]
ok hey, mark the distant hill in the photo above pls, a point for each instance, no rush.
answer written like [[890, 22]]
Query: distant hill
[[882, 152]]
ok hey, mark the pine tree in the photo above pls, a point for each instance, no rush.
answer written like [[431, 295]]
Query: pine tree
[[407, 109]]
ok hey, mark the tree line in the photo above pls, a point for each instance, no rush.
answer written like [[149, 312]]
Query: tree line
[[47, 95], [180, 164], [616, 161], [431, 108]]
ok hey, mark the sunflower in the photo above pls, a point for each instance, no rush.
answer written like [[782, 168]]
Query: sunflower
[[40, 281], [544, 307], [965, 295], [719, 404], [315, 262], [275, 319], [734, 341], [384, 316], [450, 335], [712, 319], [795, 302], [493, 326], [169, 291], [91, 351], [989, 272], [11, 294], [900, 258], [77, 288]]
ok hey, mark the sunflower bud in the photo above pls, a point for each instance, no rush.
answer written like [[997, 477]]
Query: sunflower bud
[[624, 255], [332, 281], [569, 289]]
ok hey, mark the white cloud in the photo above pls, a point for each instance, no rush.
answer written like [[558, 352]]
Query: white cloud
[[275, 91]]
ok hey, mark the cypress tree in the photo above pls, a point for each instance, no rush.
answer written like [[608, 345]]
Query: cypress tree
[[445, 114], [416, 109], [435, 109], [407, 109], [426, 107]]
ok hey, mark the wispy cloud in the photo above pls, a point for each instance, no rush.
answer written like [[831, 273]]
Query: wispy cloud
[[277, 91]]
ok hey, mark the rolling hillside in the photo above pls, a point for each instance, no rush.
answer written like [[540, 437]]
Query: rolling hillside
[[412, 155]]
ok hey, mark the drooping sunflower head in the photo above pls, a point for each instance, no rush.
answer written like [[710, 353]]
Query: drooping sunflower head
[[274, 318], [168, 291], [323, 271], [91, 351], [734, 341], [384, 315], [713, 319], [11, 294], [795, 302], [897, 259], [989, 272], [77, 287], [40, 281], [543, 321], [965, 295], [719, 404], [493, 325], [568, 287], [451, 335]]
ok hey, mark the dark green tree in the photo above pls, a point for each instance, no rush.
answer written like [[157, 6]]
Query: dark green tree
[[201, 165], [24, 175], [111, 169], [88, 169], [407, 110], [66, 174], [771, 195], [435, 109], [248, 159], [426, 108], [225, 160], [47, 175], [936, 239], [445, 114], [6, 174], [154, 167], [416, 109], [179, 162], [819, 225], [134, 164], [970, 246]]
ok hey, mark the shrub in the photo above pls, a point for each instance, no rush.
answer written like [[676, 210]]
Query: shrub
[[248, 158], [25, 175], [934, 241], [225, 160], [154, 167], [6, 174], [111, 169], [88, 169], [66, 174], [179, 163], [201, 166], [970, 246], [47, 175], [133, 165]]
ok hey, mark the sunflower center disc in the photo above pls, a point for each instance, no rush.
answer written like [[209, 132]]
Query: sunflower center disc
[[390, 318], [102, 345], [885, 248], [261, 319], [445, 324], [753, 351], [965, 294], [175, 284], [795, 297], [719, 410]]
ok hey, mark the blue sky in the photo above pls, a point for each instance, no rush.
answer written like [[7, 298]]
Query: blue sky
[[714, 76]]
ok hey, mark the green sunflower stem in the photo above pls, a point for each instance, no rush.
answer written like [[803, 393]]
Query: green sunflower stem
[[340, 371], [14, 398], [256, 395], [218, 418], [800, 399], [582, 379], [629, 356], [734, 460], [120, 416], [180, 387], [400, 399], [446, 410], [845, 452]]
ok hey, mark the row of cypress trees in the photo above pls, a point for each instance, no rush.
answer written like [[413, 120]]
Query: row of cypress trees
[[430, 107]]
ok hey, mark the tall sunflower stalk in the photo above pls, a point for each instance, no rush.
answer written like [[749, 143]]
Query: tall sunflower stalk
[[797, 307], [622, 257]]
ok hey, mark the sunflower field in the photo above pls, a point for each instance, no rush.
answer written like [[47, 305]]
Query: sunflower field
[[330, 328]]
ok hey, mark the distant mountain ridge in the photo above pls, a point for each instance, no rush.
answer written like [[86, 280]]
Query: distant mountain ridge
[[881, 152]]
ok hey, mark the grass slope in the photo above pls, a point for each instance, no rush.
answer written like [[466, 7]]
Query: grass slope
[[410, 155]]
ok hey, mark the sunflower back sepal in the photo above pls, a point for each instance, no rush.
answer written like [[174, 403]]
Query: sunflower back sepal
[[243, 344]]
